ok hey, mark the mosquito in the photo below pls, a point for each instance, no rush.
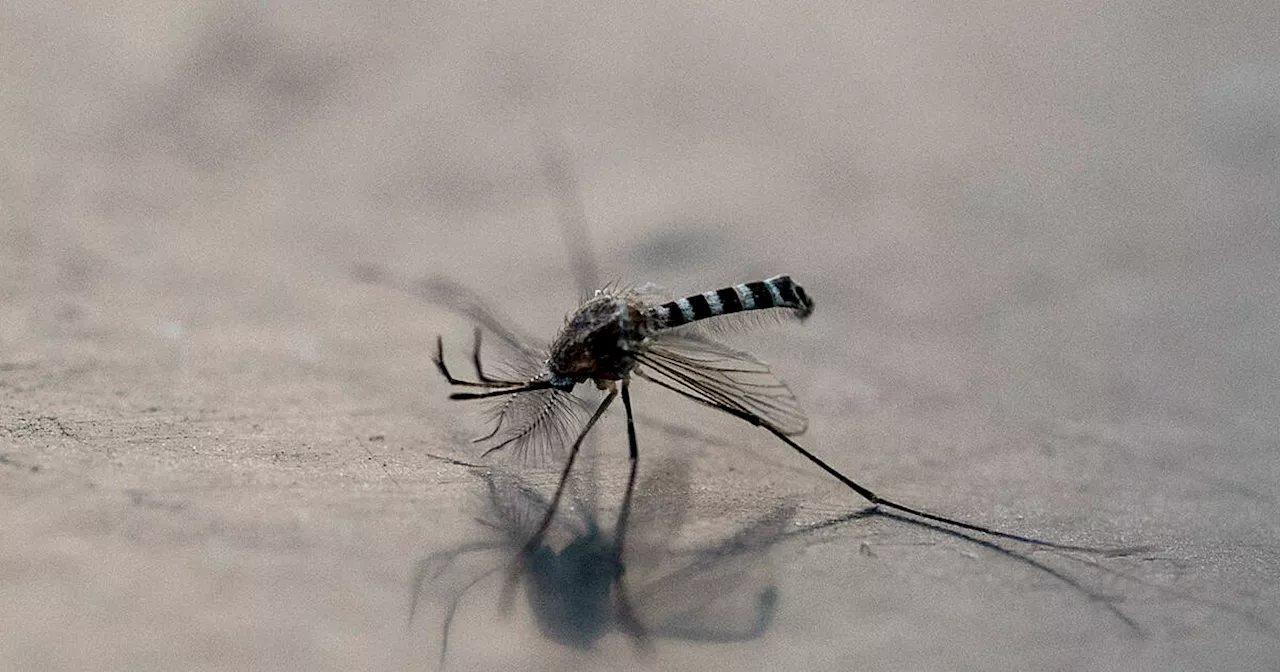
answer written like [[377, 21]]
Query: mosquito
[[621, 334]]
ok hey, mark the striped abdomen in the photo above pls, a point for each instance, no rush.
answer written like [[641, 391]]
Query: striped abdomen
[[776, 292]]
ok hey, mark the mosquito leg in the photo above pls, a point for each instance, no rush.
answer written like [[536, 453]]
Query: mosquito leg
[[624, 515], [475, 360], [536, 539], [626, 615], [866, 493], [882, 501], [501, 391], [483, 382], [1092, 595]]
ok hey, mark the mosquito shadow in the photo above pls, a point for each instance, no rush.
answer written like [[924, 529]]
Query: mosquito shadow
[[582, 584]]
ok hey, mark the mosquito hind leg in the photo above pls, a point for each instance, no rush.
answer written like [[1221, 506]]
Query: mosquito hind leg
[[877, 500], [863, 491]]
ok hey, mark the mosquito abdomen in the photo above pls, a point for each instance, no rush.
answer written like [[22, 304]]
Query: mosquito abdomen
[[776, 292]]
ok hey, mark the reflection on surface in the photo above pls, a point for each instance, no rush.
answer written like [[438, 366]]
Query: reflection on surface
[[580, 585]]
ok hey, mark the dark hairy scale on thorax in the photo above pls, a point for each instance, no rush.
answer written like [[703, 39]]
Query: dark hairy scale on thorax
[[597, 342]]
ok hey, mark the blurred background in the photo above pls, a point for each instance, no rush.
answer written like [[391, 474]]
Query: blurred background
[[1043, 240]]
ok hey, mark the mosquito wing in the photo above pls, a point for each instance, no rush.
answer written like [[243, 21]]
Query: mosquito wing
[[720, 376], [658, 512], [465, 302]]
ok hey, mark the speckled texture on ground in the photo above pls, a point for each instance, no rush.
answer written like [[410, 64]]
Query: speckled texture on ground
[[1043, 241]]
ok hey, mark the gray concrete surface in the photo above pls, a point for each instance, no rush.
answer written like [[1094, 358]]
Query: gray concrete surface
[[1044, 241]]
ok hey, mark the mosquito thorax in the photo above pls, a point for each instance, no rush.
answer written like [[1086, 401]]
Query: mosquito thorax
[[597, 340]]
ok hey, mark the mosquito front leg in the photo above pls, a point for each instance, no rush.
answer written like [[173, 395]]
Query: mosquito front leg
[[475, 360], [535, 541], [484, 381]]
